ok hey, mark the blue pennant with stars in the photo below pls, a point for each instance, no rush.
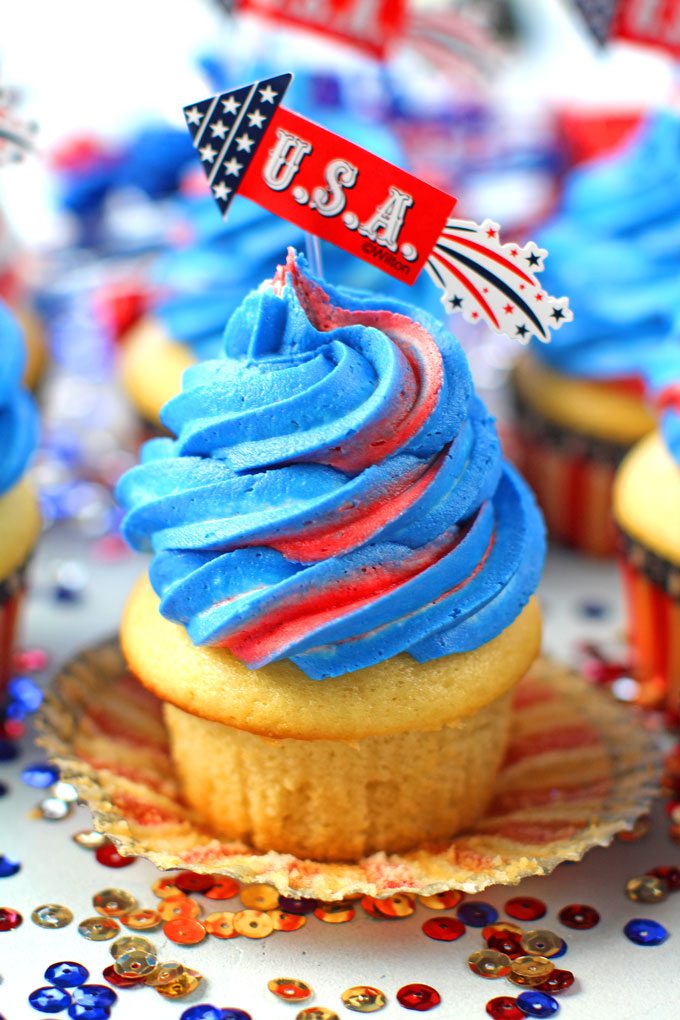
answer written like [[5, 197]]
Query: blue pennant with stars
[[227, 130]]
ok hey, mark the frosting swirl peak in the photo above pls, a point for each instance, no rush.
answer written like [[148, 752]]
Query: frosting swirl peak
[[336, 492]]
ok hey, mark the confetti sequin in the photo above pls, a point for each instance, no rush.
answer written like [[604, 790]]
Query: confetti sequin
[[254, 924], [53, 809], [401, 905], [189, 881], [538, 1004], [295, 906], [487, 963], [110, 975], [165, 887], [502, 928], [9, 919], [186, 983], [363, 999], [113, 902], [287, 922], [646, 889], [136, 964], [98, 929], [132, 944], [259, 897], [40, 775], [668, 874], [525, 908], [49, 1000], [65, 791], [94, 995], [507, 942], [644, 932], [8, 867], [67, 974], [141, 920], [579, 916], [504, 1008], [336, 913], [220, 924], [557, 982], [442, 900], [531, 968], [89, 839], [289, 989], [51, 915], [108, 855], [166, 973], [185, 931], [233, 1013], [222, 889], [638, 831], [541, 942], [420, 998], [444, 929], [316, 1013], [477, 915], [204, 1011], [178, 906]]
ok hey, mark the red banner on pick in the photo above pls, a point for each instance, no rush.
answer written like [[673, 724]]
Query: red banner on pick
[[652, 22], [368, 24]]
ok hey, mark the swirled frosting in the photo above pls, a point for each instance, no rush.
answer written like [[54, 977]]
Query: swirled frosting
[[615, 249], [336, 492], [18, 415]]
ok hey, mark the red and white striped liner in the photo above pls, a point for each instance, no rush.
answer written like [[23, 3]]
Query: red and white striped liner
[[9, 616]]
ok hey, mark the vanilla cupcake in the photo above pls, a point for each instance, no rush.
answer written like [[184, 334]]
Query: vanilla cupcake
[[339, 605], [19, 517]]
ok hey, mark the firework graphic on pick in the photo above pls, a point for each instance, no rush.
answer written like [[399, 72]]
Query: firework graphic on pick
[[251, 145]]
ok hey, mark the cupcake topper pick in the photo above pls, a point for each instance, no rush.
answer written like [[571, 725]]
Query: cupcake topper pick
[[249, 143], [16, 135], [649, 22]]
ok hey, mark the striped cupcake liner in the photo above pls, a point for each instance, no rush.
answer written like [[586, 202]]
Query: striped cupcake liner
[[572, 475], [579, 769], [652, 592], [11, 595]]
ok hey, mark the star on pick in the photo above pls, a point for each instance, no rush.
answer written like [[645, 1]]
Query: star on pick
[[522, 331], [456, 302], [267, 93], [221, 191], [533, 259], [232, 167], [230, 105], [244, 143], [491, 232], [194, 115], [256, 119], [557, 314], [508, 308], [219, 129], [207, 153]]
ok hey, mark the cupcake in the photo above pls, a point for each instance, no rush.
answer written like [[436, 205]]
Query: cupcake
[[339, 603], [647, 515], [19, 517], [580, 399]]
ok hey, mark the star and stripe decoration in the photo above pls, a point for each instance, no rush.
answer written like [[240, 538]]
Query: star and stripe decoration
[[250, 144], [16, 134], [649, 22], [599, 16]]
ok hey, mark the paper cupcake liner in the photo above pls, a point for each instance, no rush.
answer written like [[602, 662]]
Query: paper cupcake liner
[[652, 591], [572, 474], [579, 768], [11, 595]]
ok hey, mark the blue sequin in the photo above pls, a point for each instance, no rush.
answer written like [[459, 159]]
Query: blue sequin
[[40, 775], [204, 1011], [560, 952], [49, 1000], [538, 1004], [8, 750], [67, 974], [80, 1012], [477, 915], [644, 932], [26, 692], [232, 1013], [95, 995], [8, 867]]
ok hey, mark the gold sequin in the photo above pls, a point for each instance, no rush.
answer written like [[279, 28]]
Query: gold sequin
[[178, 906], [220, 924], [184, 984], [254, 924], [531, 969], [363, 999], [489, 964], [640, 829], [287, 922], [136, 964], [89, 839], [52, 915], [316, 1013], [259, 897], [646, 889], [132, 944], [141, 920], [442, 900], [400, 905], [164, 887], [165, 973], [289, 989], [99, 929], [501, 928], [335, 913], [186, 931], [541, 942], [113, 902]]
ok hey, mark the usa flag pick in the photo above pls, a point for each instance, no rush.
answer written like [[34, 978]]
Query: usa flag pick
[[250, 144], [16, 135]]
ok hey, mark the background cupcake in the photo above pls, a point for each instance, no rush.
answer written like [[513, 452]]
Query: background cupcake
[[580, 399], [335, 508], [19, 518]]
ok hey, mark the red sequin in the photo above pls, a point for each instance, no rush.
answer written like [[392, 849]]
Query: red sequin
[[108, 855], [420, 998], [189, 881], [506, 943], [525, 908], [557, 982], [444, 929], [579, 916], [668, 874], [9, 919], [110, 975], [504, 1007]]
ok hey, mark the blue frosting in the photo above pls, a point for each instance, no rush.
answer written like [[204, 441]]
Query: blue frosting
[[336, 492], [615, 249], [18, 415]]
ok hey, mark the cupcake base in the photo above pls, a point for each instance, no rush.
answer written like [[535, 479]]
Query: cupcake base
[[579, 768], [12, 589]]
